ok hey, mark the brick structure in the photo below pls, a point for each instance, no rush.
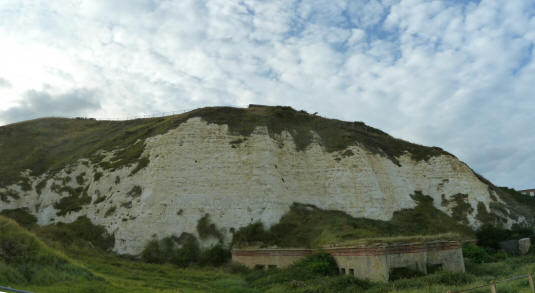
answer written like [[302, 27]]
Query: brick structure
[[365, 262], [530, 192]]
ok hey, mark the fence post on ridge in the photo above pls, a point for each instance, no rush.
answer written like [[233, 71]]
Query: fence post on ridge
[[531, 285], [492, 287]]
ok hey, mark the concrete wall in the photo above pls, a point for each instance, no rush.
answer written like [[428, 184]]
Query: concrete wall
[[373, 263], [266, 258]]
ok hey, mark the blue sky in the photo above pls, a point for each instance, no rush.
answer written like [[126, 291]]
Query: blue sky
[[455, 74]]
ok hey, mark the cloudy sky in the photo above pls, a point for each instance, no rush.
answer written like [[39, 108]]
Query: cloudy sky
[[455, 74]]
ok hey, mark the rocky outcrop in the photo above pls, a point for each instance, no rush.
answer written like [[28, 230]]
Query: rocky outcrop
[[201, 168]]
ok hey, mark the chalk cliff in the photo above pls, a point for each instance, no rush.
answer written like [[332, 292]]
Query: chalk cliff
[[202, 167]]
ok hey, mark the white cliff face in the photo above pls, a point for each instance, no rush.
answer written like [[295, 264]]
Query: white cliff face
[[199, 168]]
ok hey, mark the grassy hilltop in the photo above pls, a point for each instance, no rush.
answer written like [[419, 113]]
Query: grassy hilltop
[[50, 144]]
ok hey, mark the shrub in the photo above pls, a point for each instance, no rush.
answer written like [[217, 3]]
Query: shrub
[[181, 251], [97, 176], [476, 254], [152, 252], [187, 254], [252, 233], [207, 229], [215, 256], [135, 191], [22, 216], [77, 198], [316, 265], [81, 232], [490, 237], [235, 268]]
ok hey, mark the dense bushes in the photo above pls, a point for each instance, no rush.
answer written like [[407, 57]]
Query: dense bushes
[[184, 251], [490, 237], [476, 254], [80, 233], [22, 216]]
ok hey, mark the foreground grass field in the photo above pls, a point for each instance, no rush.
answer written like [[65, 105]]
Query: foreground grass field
[[116, 274], [54, 264]]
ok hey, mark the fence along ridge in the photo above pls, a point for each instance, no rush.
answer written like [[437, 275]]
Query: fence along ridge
[[492, 284], [151, 115]]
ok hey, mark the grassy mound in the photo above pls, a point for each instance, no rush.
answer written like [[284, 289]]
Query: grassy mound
[[81, 233], [309, 226], [25, 259], [50, 144]]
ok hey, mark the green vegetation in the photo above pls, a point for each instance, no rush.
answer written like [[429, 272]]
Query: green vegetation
[[476, 253], [135, 191], [489, 236], [518, 204], [77, 198], [22, 216], [207, 229], [99, 199], [309, 226], [94, 270], [110, 211], [461, 208], [184, 251], [39, 187], [51, 144], [336, 135], [97, 176], [4, 196], [80, 179], [141, 163], [24, 259], [80, 233]]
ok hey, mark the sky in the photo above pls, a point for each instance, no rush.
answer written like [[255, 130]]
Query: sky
[[455, 74]]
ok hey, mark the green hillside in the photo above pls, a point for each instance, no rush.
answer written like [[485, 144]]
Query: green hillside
[[24, 259], [50, 144]]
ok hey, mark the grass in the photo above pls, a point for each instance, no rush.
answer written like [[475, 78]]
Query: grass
[[24, 259], [80, 233], [82, 268], [51, 144], [309, 226], [22, 216]]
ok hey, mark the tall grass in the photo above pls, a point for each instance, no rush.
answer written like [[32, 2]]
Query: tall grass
[[24, 259]]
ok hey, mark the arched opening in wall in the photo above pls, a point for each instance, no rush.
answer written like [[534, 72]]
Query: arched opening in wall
[[259, 267], [352, 272], [433, 268], [342, 271], [271, 267], [404, 273]]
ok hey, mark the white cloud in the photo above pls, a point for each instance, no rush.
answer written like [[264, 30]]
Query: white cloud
[[456, 74]]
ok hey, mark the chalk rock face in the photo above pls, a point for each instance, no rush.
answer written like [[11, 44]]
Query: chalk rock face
[[199, 169]]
